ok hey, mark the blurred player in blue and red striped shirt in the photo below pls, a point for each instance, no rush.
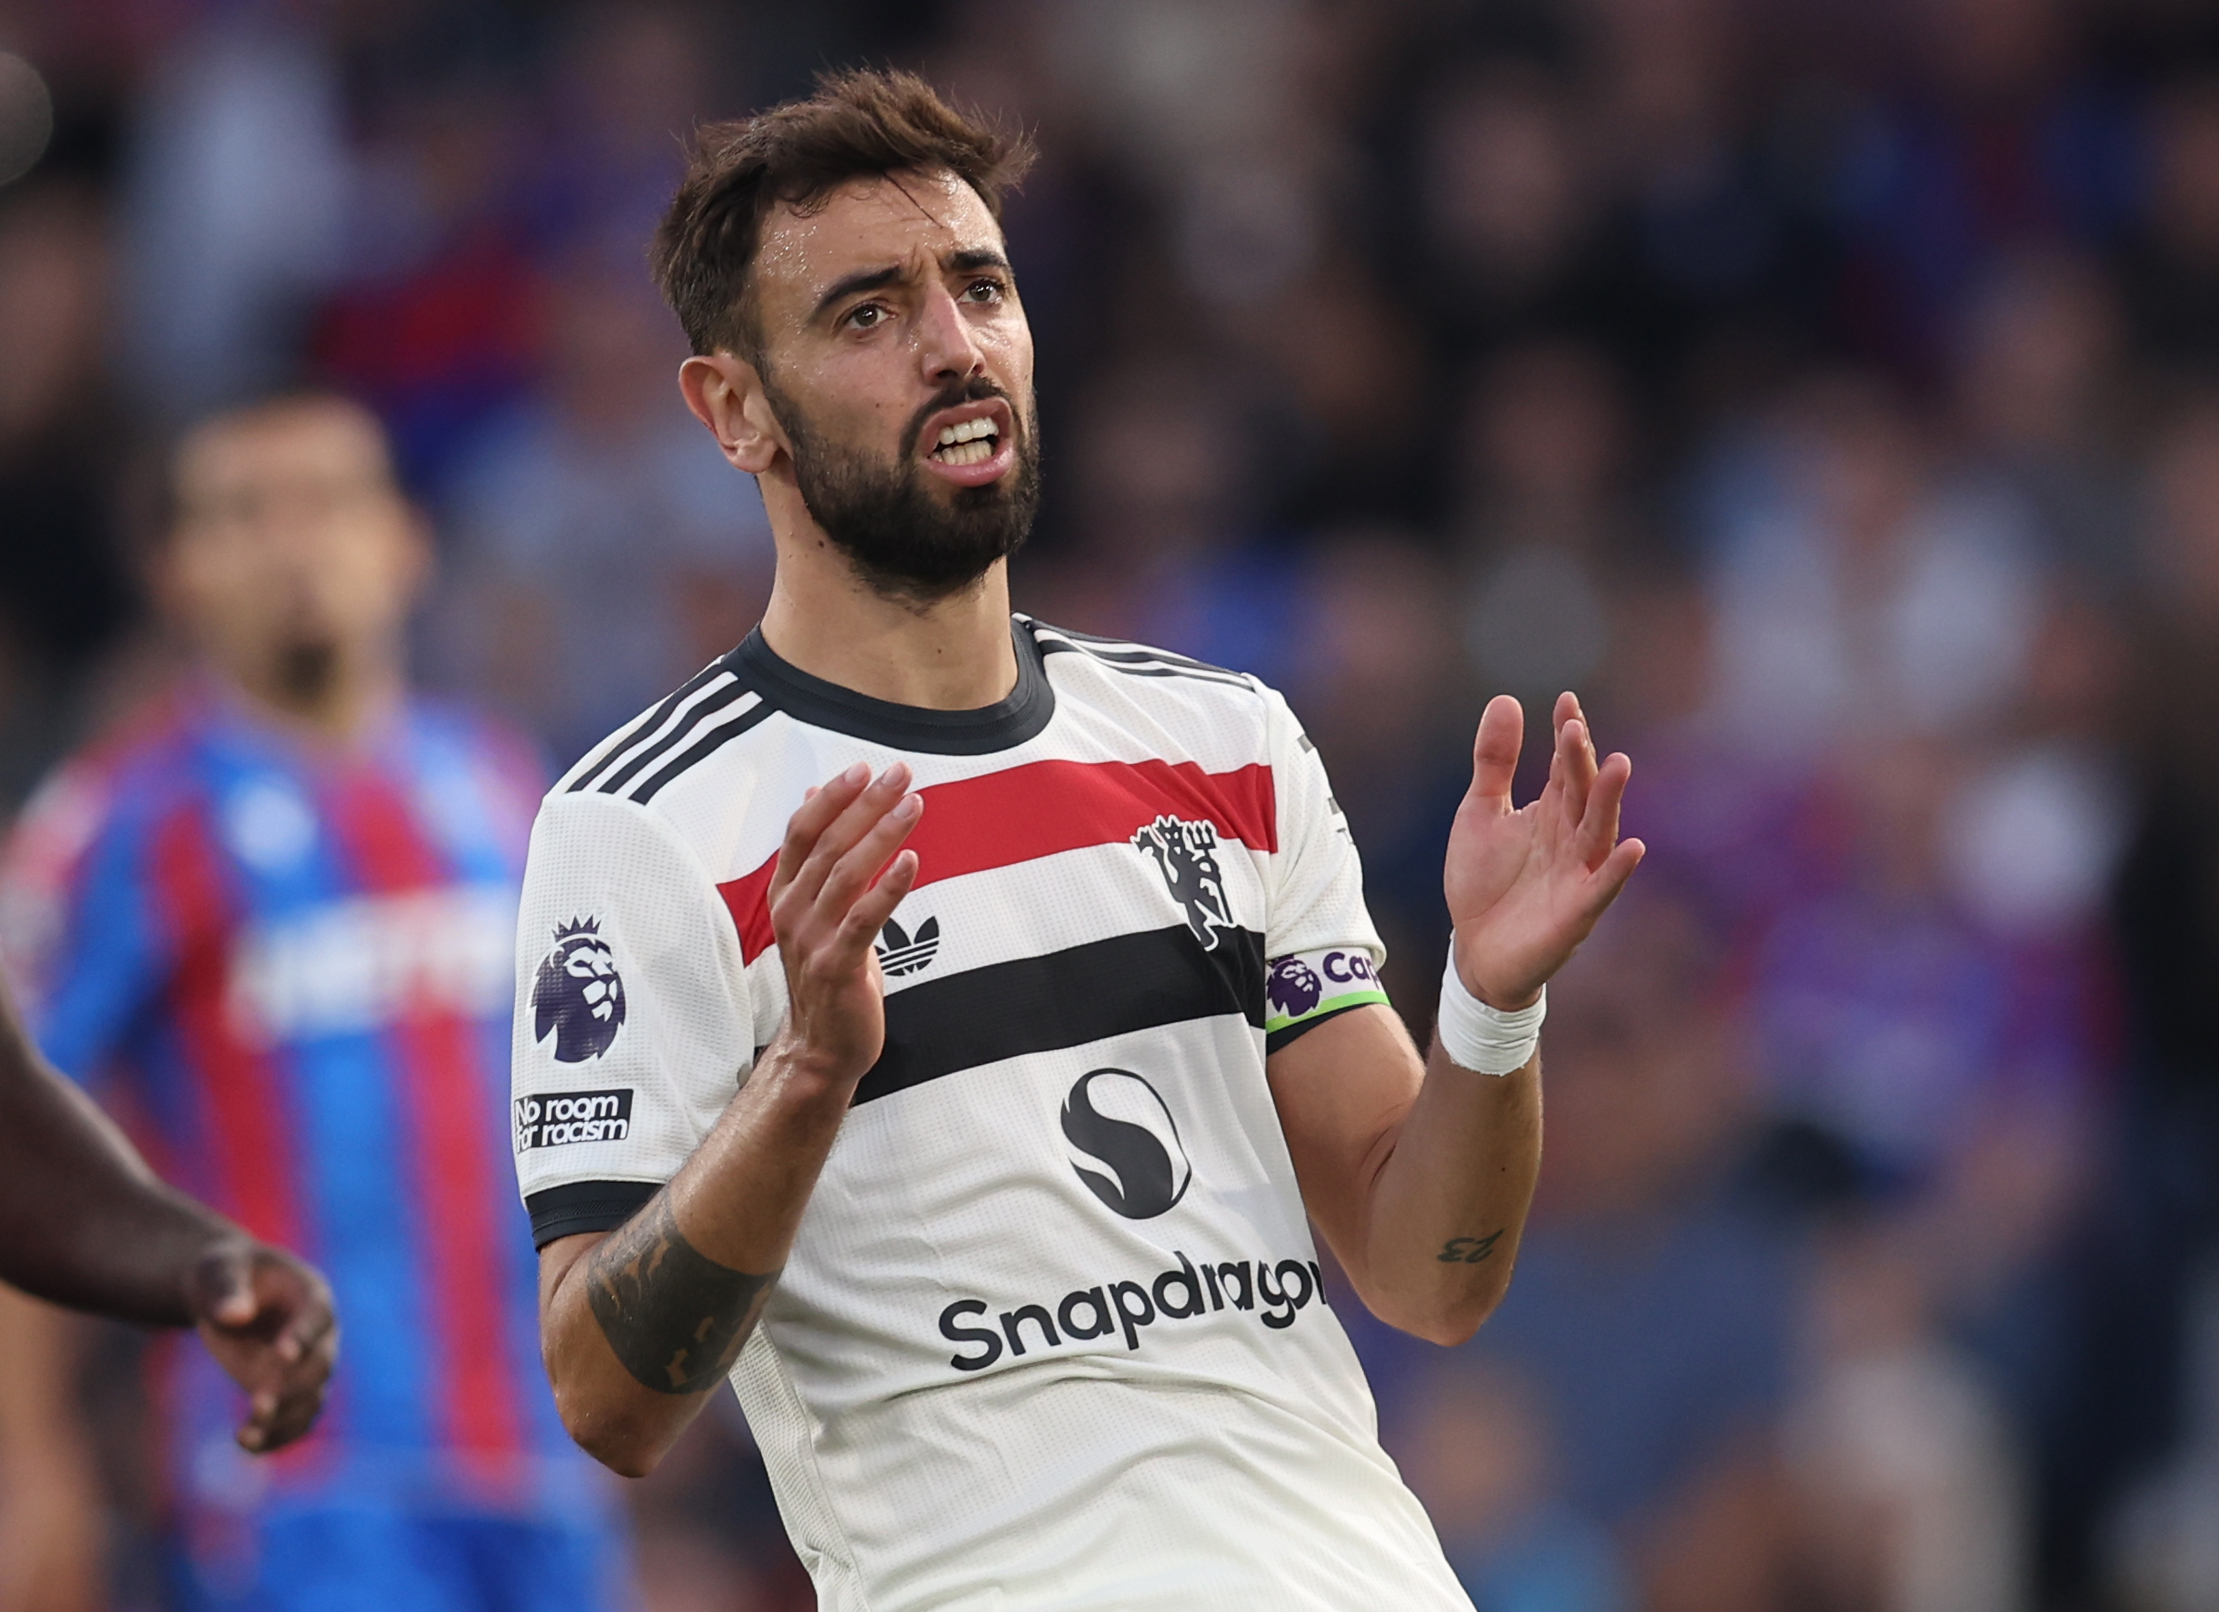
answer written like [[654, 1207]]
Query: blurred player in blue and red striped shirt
[[275, 923]]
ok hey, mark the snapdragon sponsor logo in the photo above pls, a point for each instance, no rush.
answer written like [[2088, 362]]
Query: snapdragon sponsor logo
[[1272, 1293], [552, 1119], [347, 967]]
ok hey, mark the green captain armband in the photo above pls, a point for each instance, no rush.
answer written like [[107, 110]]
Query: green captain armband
[[1304, 989]]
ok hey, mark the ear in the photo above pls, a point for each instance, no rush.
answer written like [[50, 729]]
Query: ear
[[418, 550], [726, 395]]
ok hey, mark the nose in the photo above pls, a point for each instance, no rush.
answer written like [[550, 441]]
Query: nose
[[946, 348]]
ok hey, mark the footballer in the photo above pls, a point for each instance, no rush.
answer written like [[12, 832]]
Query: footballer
[[947, 1027]]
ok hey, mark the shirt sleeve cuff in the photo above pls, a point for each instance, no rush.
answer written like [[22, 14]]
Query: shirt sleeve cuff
[[584, 1206]]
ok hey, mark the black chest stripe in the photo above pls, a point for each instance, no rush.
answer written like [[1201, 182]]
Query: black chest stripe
[[1065, 999]]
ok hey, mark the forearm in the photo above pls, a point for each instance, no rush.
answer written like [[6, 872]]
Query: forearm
[[1447, 1200], [641, 1327], [86, 1223]]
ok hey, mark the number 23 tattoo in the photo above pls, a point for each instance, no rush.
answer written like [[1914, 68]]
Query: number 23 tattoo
[[1468, 1250]]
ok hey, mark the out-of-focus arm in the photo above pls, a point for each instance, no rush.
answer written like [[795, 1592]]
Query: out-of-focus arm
[[52, 1513], [84, 1222]]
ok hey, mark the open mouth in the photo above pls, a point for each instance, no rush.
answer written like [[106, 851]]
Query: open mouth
[[968, 442]]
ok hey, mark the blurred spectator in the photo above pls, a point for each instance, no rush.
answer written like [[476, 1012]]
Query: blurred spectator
[[236, 209], [1545, 516], [2171, 890], [436, 321], [1480, 1451], [1992, 141], [603, 550], [1165, 550], [1854, 595], [64, 595], [1902, 1460], [2172, 268], [1512, 214], [2162, 1204], [2040, 392], [629, 83]]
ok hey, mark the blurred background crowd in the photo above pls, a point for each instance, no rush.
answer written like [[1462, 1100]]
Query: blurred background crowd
[[1828, 390]]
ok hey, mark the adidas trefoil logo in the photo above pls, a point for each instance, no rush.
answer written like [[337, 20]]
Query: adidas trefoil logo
[[900, 953]]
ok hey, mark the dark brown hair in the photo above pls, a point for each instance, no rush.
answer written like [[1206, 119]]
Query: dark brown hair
[[859, 124]]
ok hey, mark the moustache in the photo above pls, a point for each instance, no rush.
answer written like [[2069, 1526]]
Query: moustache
[[976, 390]]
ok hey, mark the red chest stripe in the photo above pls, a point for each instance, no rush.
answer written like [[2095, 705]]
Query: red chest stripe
[[1023, 813]]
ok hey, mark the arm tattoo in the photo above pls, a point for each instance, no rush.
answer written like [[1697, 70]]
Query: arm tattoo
[[675, 1318], [1468, 1250]]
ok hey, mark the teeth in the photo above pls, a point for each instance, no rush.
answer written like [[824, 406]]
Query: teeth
[[965, 432], [965, 453]]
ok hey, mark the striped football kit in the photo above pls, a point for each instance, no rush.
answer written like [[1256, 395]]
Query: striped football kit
[[286, 964]]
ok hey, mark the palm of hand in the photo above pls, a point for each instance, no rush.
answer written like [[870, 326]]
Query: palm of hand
[[1525, 886]]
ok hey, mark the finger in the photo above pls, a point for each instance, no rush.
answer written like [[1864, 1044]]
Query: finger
[[853, 874], [1598, 827], [862, 813], [1611, 877], [1573, 768], [281, 1421], [1569, 710], [223, 1287], [869, 914], [1502, 732], [1570, 701], [819, 807], [282, 1412], [311, 1322]]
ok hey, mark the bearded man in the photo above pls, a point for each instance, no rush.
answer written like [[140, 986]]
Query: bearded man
[[1003, 1241]]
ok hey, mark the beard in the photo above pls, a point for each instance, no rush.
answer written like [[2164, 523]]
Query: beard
[[906, 541], [306, 668]]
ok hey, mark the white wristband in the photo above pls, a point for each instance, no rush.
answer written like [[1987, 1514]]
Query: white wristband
[[1485, 1039]]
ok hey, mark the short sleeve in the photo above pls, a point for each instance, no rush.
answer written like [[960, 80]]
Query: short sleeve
[[1323, 952], [632, 1025], [86, 945]]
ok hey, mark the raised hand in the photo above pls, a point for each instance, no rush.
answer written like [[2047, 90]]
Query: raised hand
[[841, 873], [267, 1319], [1526, 884]]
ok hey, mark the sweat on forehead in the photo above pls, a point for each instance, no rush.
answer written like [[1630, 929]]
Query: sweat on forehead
[[906, 226], [790, 162]]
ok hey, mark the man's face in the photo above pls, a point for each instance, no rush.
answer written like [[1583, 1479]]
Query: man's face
[[293, 550], [897, 360]]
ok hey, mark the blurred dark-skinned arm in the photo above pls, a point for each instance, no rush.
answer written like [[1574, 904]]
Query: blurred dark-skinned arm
[[84, 1223], [53, 1506]]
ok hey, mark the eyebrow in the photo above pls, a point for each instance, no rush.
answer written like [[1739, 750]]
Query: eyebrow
[[977, 257], [847, 286]]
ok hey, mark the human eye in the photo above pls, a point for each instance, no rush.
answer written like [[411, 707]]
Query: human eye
[[865, 316], [984, 288]]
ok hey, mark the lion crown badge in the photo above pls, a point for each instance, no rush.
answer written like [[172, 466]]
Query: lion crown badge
[[578, 994], [1292, 987], [1183, 854]]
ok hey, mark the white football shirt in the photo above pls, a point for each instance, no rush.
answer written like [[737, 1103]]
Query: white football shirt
[[1053, 1334]]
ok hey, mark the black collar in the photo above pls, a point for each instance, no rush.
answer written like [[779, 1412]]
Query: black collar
[[821, 704]]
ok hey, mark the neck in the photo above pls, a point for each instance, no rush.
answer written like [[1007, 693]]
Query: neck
[[361, 694], [951, 655]]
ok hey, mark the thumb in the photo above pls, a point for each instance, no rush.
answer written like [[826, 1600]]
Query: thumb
[[223, 1286]]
